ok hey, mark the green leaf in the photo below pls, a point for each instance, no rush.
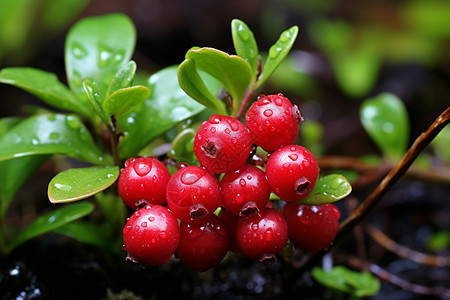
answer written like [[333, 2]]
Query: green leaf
[[277, 53], [328, 189], [76, 184], [182, 148], [95, 99], [46, 87], [385, 119], [88, 233], [97, 48], [123, 78], [167, 105], [51, 134], [231, 70], [192, 83], [245, 44], [123, 101], [341, 279], [53, 220], [439, 241]]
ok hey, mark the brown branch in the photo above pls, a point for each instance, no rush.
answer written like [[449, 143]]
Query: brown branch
[[404, 252], [384, 275]]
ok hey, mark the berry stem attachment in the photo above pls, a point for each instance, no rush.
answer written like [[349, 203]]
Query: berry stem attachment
[[245, 101]]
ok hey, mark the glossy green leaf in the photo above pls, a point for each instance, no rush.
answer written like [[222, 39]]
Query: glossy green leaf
[[341, 279], [53, 220], [328, 189], [76, 184], [192, 83], [232, 71], [46, 87], [167, 105], [123, 78], [51, 134], [245, 44], [385, 119], [95, 99], [182, 147], [277, 53], [123, 101], [97, 48]]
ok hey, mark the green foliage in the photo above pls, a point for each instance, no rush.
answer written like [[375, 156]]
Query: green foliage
[[342, 280], [328, 189], [439, 241], [386, 121]]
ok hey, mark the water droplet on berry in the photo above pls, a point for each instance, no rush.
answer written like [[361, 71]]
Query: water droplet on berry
[[242, 182], [255, 227], [260, 96], [286, 165], [213, 129], [249, 177], [268, 112], [293, 149], [189, 178], [267, 123], [214, 120], [163, 234], [155, 179], [136, 227], [227, 130], [144, 224], [287, 112], [233, 140], [151, 218], [293, 157], [247, 118], [279, 101], [263, 102]]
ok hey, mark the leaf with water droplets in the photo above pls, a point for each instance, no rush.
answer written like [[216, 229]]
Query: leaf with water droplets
[[385, 119], [277, 53], [245, 44], [328, 189], [53, 220], [51, 134], [123, 101], [95, 99], [182, 148], [123, 78], [76, 184], [97, 48], [46, 87], [166, 106]]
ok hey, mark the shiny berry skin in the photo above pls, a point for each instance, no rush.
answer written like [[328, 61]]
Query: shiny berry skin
[[245, 191], [143, 181], [222, 144], [311, 227], [261, 236], [292, 172], [193, 194], [151, 235], [230, 221], [273, 122], [203, 246]]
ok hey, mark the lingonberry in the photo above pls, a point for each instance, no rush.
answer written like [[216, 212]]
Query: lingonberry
[[230, 222], [193, 194], [261, 236], [273, 121], [222, 144], [143, 181], [151, 235], [292, 172], [245, 191], [203, 246], [311, 228]]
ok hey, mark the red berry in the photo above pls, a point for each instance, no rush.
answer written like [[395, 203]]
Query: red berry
[[193, 194], [222, 144], [245, 191], [151, 235], [230, 221], [143, 181], [262, 235], [292, 172], [203, 246], [273, 122], [311, 228]]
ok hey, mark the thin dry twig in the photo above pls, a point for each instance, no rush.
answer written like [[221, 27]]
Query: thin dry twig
[[405, 252]]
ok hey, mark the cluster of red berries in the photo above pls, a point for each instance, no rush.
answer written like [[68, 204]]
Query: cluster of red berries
[[247, 222]]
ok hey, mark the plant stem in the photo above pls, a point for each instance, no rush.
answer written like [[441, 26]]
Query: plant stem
[[114, 142], [248, 96]]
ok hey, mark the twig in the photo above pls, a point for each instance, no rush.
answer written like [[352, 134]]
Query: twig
[[438, 291], [404, 252]]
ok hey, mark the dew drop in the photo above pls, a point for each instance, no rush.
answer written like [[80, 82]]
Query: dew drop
[[249, 177], [54, 135], [72, 122], [78, 51], [163, 234], [233, 140], [144, 224], [141, 169], [293, 157], [213, 129], [243, 34], [136, 227], [279, 101], [151, 218], [51, 118], [293, 148], [242, 182], [35, 141], [285, 36], [227, 130], [268, 112], [268, 235], [254, 226], [189, 178], [274, 51], [267, 123]]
